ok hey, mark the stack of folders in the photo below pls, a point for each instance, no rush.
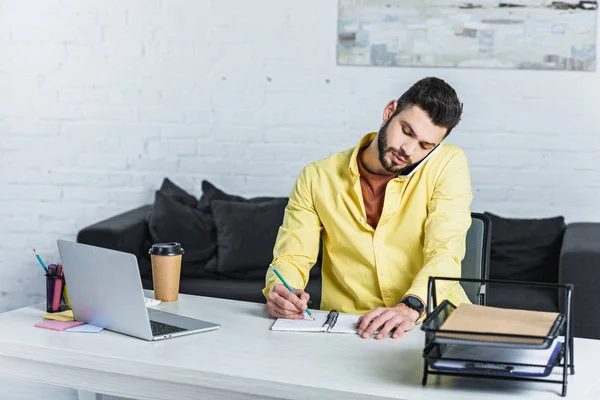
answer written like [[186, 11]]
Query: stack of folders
[[471, 340]]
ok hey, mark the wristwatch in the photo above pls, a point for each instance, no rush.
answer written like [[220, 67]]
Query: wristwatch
[[414, 303]]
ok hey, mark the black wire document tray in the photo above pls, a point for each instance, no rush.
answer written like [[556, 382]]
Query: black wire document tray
[[488, 348]]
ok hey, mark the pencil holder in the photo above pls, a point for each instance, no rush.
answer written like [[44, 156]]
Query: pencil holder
[[55, 294]]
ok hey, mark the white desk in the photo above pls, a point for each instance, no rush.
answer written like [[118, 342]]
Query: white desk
[[244, 359]]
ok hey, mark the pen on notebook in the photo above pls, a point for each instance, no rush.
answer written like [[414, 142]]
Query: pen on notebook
[[289, 287], [40, 260]]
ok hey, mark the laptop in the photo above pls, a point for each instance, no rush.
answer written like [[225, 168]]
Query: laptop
[[105, 289]]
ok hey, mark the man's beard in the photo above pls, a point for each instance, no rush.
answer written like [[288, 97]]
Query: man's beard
[[388, 164]]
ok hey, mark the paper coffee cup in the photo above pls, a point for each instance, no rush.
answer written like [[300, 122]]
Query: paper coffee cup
[[166, 270]]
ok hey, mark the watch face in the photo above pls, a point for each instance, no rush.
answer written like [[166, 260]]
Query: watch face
[[415, 303]]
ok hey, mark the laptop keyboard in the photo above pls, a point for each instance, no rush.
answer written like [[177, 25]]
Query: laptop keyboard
[[159, 329]]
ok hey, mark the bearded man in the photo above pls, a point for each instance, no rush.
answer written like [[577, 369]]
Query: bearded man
[[391, 212]]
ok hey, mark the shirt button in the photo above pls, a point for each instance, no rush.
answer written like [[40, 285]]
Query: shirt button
[[362, 220], [383, 274]]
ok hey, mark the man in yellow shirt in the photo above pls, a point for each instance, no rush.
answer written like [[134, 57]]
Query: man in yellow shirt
[[392, 211]]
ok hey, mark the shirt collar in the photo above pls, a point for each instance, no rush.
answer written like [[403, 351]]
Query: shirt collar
[[353, 158]]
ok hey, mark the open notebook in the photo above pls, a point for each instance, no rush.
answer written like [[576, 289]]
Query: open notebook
[[331, 322]]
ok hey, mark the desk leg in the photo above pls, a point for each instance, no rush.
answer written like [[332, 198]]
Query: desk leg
[[85, 395]]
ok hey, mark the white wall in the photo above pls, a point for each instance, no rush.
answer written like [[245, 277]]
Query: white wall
[[99, 100]]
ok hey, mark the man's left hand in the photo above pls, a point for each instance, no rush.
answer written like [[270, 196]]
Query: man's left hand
[[398, 319]]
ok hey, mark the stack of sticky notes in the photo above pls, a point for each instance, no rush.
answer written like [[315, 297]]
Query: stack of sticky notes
[[58, 325], [64, 321], [60, 316]]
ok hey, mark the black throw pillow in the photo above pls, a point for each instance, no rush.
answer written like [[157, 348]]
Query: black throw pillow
[[526, 249], [211, 193], [173, 221], [169, 189], [246, 233]]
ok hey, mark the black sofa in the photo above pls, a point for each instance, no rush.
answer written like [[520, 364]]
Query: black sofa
[[228, 241]]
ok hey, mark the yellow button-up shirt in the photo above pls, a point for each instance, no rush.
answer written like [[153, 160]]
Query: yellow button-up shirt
[[421, 233]]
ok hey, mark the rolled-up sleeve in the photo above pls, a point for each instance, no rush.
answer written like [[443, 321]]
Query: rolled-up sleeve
[[297, 245], [446, 226]]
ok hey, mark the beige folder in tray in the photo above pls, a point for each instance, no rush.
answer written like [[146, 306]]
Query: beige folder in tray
[[489, 320]]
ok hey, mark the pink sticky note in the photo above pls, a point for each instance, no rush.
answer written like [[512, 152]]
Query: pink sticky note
[[58, 325]]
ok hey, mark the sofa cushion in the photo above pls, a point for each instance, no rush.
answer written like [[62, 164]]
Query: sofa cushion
[[171, 190], [246, 233], [526, 249], [173, 221], [211, 193]]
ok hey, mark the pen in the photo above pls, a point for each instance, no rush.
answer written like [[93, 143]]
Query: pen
[[289, 288], [40, 260]]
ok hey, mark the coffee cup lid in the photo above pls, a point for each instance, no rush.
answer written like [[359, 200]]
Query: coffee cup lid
[[166, 249]]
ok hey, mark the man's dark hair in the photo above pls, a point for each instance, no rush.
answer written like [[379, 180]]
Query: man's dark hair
[[437, 98]]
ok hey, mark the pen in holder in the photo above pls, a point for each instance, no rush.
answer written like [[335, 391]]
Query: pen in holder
[[55, 291]]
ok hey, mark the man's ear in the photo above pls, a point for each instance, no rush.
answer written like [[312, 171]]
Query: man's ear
[[389, 110]]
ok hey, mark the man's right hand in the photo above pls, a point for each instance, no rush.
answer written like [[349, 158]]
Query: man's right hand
[[282, 303]]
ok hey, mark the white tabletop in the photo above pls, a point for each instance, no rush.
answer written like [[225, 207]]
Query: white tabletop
[[244, 359]]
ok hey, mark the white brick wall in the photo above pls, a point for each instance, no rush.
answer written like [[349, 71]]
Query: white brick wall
[[100, 100]]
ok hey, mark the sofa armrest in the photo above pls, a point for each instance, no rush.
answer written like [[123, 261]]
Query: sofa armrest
[[580, 265], [124, 232]]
